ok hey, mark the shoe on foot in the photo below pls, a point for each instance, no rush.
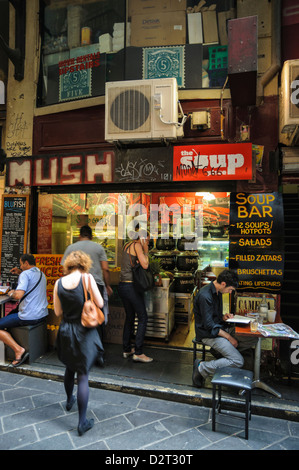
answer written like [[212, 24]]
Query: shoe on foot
[[197, 378], [85, 427], [142, 358], [128, 354], [69, 404]]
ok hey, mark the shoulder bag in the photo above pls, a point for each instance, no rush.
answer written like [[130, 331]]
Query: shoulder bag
[[143, 279], [16, 309], [91, 315]]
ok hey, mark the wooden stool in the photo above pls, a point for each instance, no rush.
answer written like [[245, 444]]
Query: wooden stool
[[195, 343], [235, 378], [31, 337]]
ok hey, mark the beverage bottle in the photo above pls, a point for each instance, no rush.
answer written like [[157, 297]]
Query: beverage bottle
[[263, 310]]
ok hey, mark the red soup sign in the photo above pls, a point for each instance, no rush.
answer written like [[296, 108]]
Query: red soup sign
[[212, 162]]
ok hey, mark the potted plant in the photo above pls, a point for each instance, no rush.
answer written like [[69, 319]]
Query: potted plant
[[155, 267]]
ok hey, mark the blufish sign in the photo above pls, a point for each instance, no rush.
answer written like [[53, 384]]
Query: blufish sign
[[212, 162]]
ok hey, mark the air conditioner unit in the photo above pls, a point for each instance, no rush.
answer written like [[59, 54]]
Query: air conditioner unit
[[289, 102], [142, 110]]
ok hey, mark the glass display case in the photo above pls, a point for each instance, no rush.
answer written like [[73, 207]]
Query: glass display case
[[214, 252]]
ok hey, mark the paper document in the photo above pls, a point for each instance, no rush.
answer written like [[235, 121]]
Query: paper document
[[4, 289], [238, 319]]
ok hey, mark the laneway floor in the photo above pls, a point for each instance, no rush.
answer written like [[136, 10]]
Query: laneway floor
[[33, 417]]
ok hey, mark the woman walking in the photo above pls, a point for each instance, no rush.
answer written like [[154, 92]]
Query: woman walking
[[133, 300], [78, 347]]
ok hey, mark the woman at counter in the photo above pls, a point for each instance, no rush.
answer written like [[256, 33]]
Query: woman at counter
[[133, 300]]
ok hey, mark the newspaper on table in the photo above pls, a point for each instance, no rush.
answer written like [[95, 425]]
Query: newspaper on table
[[278, 330]]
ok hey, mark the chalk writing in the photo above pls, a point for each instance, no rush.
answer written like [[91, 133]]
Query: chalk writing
[[142, 170], [18, 149], [17, 127]]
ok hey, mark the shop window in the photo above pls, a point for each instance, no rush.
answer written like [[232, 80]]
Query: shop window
[[114, 218], [75, 38], [86, 43]]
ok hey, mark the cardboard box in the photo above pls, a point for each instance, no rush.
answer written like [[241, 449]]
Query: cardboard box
[[195, 28], [140, 7], [210, 27], [113, 331], [161, 29], [105, 41]]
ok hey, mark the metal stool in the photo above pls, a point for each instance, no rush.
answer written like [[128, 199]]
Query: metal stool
[[235, 378], [195, 343]]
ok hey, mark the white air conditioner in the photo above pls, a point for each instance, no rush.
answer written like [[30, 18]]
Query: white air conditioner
[[142, 110], [289, 102]]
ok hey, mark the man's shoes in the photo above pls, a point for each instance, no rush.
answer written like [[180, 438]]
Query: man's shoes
[[21, 360], [197, 378]]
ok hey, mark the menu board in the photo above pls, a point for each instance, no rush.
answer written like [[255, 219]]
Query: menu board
[[256, 245], [13, 234]]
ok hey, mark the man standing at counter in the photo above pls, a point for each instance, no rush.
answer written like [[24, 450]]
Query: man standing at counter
[[211, 329]]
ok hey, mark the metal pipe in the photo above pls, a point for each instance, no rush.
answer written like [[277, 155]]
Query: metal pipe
[[275, 47]]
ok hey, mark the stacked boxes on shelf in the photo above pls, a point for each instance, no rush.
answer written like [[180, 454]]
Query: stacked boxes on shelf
[[183, 308]]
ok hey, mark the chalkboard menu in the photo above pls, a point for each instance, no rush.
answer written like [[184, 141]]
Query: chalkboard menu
[[14, 218], [256, 243]]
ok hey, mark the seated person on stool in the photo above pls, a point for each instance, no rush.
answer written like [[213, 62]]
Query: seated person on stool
[[32, 310], [211, 329]]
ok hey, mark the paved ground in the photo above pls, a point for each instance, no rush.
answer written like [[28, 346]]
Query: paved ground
[[33, 417]]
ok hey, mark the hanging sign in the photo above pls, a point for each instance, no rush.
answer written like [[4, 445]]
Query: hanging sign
[[256, 249], [212, 162]]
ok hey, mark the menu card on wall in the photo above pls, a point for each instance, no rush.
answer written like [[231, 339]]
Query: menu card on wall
[[256, 245], [13, 234]]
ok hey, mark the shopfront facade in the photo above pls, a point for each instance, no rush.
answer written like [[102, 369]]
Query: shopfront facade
[[75, 176]]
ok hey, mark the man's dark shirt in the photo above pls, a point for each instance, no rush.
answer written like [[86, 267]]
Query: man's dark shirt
[[208, 312]]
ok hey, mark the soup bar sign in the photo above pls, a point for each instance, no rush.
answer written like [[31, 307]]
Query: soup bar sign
[[256, 247], [212, 162]]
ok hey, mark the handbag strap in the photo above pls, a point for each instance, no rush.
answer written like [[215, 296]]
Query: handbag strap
[[88, 290], [84, 287], [27, 293], [128, 251]]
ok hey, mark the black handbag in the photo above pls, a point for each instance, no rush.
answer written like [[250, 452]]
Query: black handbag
[[143, 279]]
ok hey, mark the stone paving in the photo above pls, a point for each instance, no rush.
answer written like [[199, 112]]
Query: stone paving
[[33, 417]]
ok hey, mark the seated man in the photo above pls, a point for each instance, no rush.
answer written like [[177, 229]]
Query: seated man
[[211, 329], [32, 307]]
